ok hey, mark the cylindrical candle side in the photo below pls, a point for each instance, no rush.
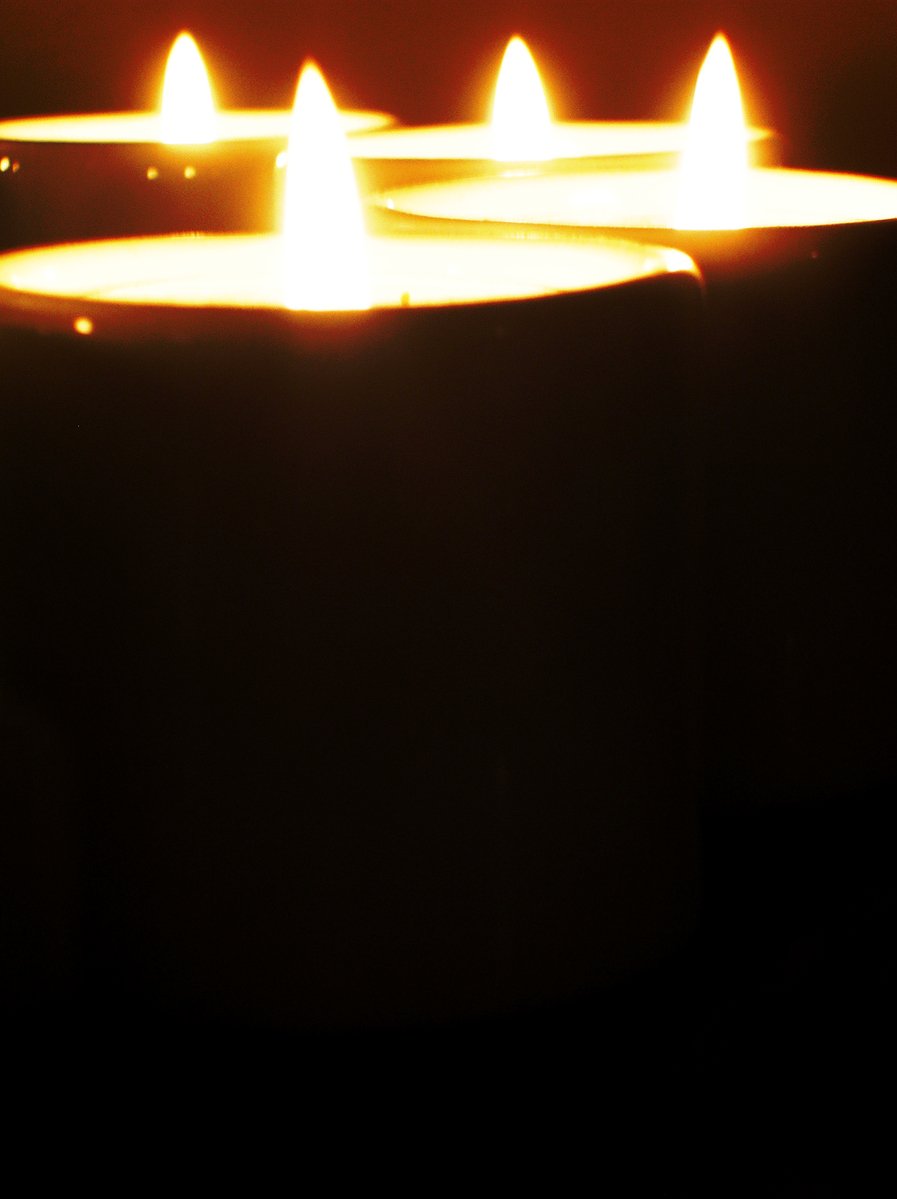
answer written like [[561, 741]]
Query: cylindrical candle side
[[83, 177], [372, 639], [799, 484], [411, 156]]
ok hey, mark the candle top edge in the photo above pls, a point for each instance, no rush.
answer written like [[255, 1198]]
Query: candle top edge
[[636, 202], [128, 128], [572, 139], [425, 271]]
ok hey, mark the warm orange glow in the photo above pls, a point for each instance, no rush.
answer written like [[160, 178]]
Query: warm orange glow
[[521, 122], [324, 251], [714, 168], [188, 110]]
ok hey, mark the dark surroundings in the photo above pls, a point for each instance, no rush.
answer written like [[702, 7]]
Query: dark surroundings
[[787, 988]]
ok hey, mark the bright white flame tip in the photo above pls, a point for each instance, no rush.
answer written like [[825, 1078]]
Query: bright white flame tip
[[521, 122], [714, 167], [188, 109], [324, 251]]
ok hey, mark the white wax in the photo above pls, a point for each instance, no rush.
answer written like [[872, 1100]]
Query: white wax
[[145, 127], [569, 139], [243, 271], [775, 198]]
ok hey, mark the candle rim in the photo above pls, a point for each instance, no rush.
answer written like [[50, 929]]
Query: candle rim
[[65, 309], [671, 134], [392, 200], [40, 130]]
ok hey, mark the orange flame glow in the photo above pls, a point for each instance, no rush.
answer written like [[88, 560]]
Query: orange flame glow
[[324, 252], [188, 110], [521, 122], [714, 167]]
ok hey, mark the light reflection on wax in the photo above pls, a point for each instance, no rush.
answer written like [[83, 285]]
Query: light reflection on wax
[[246, 271], [136, 128], [773, 198]]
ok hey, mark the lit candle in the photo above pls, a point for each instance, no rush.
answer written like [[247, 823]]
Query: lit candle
[[370, 629], [521, 134], [799, 269], [188, 166], [732, 218]]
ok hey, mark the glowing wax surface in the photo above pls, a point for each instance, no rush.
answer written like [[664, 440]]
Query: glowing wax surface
[[568, 139], [143, 127], [775, 198], [247, 272]]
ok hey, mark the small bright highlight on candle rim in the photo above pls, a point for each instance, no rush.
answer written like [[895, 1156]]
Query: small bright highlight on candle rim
[[324, 250], [521, 122], [713, 171], [188, 109]]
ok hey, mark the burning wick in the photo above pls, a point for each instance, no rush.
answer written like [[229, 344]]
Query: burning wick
[[188, 109], [324, 245], [714, 166], [521, 122]]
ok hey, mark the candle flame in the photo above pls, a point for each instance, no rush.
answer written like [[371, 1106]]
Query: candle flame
[[521, 122], [714, 168], [188, 110], [324, 252]]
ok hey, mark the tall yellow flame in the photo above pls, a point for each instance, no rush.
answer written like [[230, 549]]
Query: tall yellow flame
[[521, 122], [324, 252], [188, 110], [713, 171]]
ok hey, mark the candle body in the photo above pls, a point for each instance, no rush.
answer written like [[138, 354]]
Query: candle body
[[371, 638], [75, 178], [799, 482], [432, 154], [800, 486]]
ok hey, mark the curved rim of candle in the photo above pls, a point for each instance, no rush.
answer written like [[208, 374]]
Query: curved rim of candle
[[118, 318], [400, 200], [398, 144], [41, 314], [136, 127]]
